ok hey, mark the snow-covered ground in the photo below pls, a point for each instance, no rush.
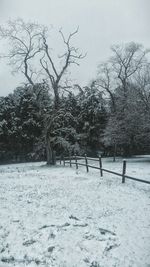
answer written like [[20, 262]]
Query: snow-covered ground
[[55, 216]]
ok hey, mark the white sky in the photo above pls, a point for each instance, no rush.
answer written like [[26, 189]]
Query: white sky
[[102, 23]]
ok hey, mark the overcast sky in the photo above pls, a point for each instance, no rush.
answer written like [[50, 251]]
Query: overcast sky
[[102, 23]]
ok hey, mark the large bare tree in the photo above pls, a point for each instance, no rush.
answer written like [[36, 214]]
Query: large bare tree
[[29, 46], [70, 56]]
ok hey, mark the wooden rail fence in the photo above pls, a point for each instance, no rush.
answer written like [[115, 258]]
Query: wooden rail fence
[[75, 161]]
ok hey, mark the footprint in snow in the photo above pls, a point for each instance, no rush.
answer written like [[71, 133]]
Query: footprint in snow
[[73, 217], [28, 242]]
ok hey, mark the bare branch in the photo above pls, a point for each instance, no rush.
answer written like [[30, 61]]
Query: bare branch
[[25, 42], [46, 49], [127, 60]]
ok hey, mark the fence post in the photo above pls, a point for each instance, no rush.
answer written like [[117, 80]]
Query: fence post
[[100, 165], [124, 171], [70, 159], [76, 161], [86, 162]]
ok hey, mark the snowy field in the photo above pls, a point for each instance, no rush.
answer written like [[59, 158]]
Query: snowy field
[[59, 217]]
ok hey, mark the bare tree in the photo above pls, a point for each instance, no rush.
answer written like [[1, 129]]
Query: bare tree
[[126, 61], [119, 70], [70, 57], [29, 44], [117, 78]]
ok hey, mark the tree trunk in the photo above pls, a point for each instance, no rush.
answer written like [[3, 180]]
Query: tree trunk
[[131, 148], [56, 100], [115, 151], [126, 150], [50, 153]]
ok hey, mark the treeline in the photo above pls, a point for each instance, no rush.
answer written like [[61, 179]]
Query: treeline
[[87, 121], [77, 127], [110, 115]]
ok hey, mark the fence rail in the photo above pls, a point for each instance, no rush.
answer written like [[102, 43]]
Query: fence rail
[[69, 160]]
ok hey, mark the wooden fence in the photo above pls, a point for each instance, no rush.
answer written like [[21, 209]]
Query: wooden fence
[[75, 161]]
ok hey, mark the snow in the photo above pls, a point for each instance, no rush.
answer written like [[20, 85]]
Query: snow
[[57, 216]]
